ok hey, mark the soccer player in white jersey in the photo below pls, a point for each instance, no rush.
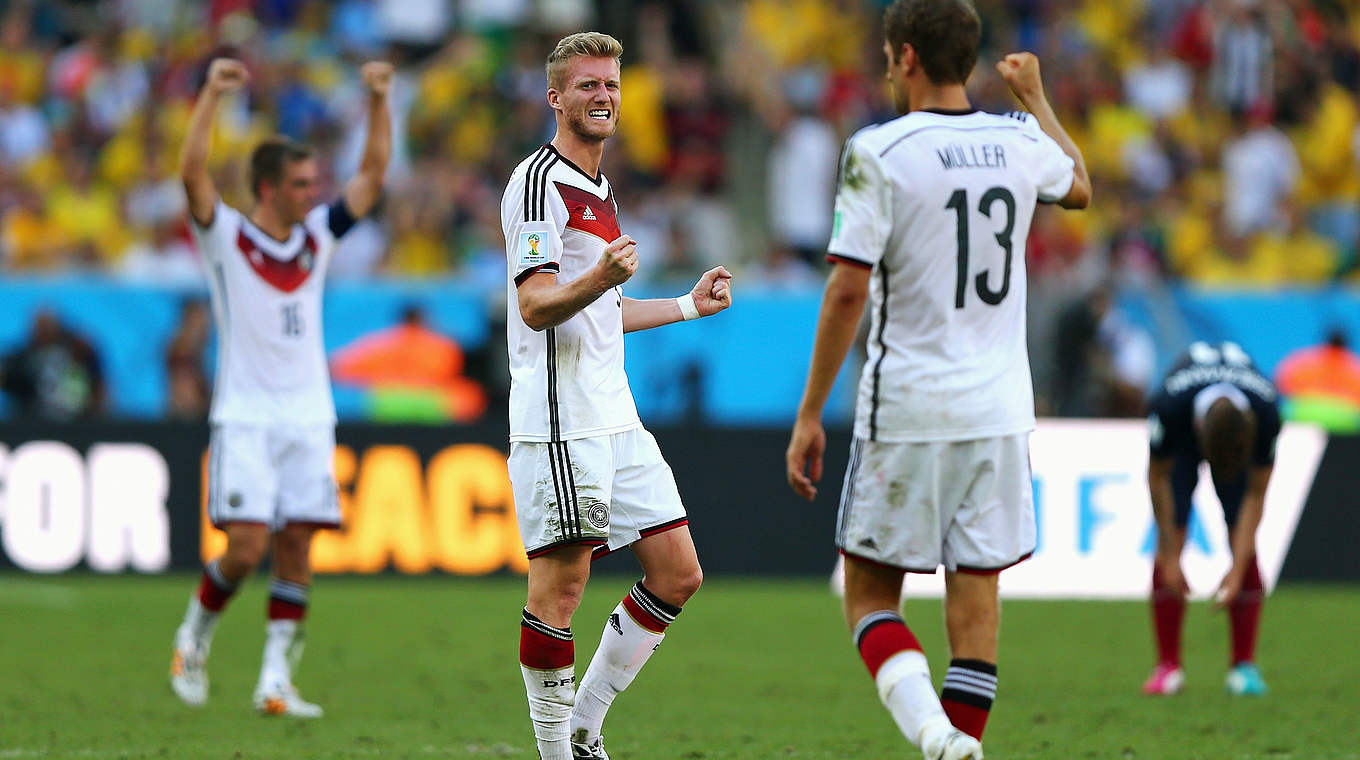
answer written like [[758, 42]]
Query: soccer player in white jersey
[[587, 478], [271, 466], [931, 218]]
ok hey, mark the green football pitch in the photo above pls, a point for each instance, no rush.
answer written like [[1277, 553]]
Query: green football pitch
[[426, 668]]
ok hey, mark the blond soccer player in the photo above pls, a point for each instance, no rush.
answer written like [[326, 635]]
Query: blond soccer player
[[587, 478]]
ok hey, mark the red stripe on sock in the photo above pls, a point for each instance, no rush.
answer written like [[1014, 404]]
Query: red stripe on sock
[[210, 596], [1168, 617], [539, 651], [883, 641], [282, 610], [643, 617], [966, 718], [1245, 616]]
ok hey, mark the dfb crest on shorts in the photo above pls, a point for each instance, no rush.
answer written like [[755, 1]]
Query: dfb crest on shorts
[[598, 516]]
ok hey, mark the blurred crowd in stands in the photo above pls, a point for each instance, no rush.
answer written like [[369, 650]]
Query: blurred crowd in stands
[[1222, 135]]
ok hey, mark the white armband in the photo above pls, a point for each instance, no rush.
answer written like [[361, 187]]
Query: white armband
[[687, 307]]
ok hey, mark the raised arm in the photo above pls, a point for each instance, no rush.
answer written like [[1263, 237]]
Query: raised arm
[[363, 191], [842, 304], [1021, 72], [224, 75], [711, 294], [543, 303]]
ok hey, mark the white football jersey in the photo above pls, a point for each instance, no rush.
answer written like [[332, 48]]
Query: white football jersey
[[939, 205], [266, 297], [567, 381]]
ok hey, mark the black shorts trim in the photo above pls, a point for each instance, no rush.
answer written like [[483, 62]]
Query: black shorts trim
[[604, 551], [888, 565], [554, 546], [972, 570]]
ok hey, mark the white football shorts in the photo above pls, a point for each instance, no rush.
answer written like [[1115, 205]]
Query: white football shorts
[[272, 474], [604, 491], [967, 505]]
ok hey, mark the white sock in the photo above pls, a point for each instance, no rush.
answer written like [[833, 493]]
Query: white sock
[[550, 684], [624, 648], [551, 694], [279, 636], [199, 623], [905, 689]]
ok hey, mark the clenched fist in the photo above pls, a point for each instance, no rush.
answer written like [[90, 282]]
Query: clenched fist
[[713, 292], [618, 262], [226, 75], [1021, 72], [377, 77]]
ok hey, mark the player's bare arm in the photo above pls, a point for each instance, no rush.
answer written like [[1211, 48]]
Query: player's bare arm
[[544, 304], [1169, 538], [224, 75], [363, 191], [1243, 538], [1021, 72], [842, 304], [711, 294]]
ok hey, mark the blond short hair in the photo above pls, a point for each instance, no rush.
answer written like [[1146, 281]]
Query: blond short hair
[[580, 45]]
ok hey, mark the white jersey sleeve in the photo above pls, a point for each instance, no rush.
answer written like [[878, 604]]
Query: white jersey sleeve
[[863, 213], [219, 234], [535, 218], [1054, 169]]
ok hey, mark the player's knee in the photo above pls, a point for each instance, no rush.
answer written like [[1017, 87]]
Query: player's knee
[[247, 550], [294, 542], [687, 582], [565, 604], [676, 585]]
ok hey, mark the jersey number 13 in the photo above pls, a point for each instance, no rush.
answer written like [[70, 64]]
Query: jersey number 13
[[959, 202]]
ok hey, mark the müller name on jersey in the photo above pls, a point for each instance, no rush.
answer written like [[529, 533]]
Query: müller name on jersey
[[975, 156]]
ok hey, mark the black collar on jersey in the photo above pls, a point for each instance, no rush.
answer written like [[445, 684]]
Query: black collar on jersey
[[950, 111], [598, 179]]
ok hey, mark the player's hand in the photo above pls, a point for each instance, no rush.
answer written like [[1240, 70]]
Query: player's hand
[[1021, 72], [377, 77], [803, 460], [226, 75], [618, 262], [1228, 589], [1170, 570], [713, 292]]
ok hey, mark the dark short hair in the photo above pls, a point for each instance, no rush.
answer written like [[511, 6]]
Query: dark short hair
[[1228, 438], [944, 33], [269, 159]]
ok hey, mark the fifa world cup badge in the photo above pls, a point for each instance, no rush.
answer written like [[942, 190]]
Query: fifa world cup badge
[[530, 250]]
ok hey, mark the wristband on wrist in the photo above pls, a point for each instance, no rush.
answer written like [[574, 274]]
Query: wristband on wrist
[[687, 307]]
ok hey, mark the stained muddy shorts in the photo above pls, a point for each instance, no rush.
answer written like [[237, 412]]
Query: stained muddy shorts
[[967, 505], [605, 491]]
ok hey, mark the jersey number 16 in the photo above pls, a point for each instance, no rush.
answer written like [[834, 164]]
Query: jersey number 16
[[959, 202], [292, 320]]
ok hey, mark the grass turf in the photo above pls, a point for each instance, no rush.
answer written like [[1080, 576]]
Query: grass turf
[[426, 668]]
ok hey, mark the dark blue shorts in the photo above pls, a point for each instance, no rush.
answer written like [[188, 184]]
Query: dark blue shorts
[[1184, 479]]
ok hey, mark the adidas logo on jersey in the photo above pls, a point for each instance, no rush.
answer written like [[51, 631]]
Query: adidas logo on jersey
[[588, 215]]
